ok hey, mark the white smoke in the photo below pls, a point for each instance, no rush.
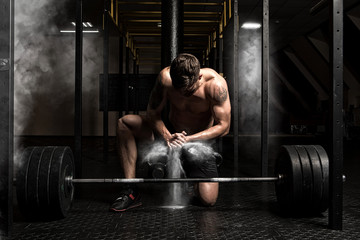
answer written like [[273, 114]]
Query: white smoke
[[42, 59], [250, 80]]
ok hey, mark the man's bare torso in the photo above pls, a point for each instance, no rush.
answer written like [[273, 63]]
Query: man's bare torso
[[191, 114]]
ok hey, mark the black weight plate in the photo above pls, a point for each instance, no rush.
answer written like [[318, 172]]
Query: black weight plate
[[60, 194], [324, 204], [289, 189], [21, 180], [43, 180], [32, 182], [317, 177], [307, 179]]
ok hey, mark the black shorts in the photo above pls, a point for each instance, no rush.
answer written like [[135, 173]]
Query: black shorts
[[199, 160]]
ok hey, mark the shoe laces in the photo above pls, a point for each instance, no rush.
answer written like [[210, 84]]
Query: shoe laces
[[123, 196]]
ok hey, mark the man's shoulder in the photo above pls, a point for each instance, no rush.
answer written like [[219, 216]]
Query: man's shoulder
[[164, 77], [216, 87], [213, 79]]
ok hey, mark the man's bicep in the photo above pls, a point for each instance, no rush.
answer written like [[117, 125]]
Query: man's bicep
[[222, 113], [221, 104]]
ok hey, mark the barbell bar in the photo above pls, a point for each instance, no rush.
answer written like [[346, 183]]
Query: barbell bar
[[70, 180], [44, 182]]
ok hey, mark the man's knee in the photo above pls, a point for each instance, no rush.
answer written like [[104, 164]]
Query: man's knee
[[129, 123], [208, 193], [135, 125]]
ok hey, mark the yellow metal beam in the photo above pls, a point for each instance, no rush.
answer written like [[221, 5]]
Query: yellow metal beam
[[230, 9], [224, 15], [112, 8]]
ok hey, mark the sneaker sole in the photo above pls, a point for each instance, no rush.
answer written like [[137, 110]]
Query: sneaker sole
[[124, 209]]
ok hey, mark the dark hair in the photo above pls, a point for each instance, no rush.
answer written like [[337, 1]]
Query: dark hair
[[184, 73]]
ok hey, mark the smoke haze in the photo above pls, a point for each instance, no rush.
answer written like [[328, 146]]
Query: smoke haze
[[250, 80]]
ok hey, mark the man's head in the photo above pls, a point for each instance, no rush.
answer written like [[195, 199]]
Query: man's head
[[185, 73]]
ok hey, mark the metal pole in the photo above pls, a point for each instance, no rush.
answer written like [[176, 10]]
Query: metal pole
[[106, 80], [220, 46], [6, 116], [137, 85], [236, 89], [127, 74], [264, 88], [172, 30], [220, 69], [172, 180], [336, 73], [134, 84], [78, 87], [121, 69]]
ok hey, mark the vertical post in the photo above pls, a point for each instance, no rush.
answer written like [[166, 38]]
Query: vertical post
[[137, 84], [121, 69], [134, 90], [220, 46], [78, 88], [106, 80], [220, 69], [127, 74], [236, 89], [264, 92], [6, 116], [336, 73], [172, 30]]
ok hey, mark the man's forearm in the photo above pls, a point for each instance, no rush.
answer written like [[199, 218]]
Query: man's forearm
[[215, 131], [158, 126]]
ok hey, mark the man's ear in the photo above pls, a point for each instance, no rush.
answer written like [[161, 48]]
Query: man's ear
[[200, 76]]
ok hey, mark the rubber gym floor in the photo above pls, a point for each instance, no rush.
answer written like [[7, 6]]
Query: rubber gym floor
[[243, 210]]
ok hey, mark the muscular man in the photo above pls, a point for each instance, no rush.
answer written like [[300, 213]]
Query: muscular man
[[199, 111]]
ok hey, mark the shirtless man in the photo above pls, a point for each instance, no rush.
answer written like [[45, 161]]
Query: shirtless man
[[199, 111]]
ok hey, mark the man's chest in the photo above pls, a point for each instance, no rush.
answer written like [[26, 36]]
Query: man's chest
[[193, 104]]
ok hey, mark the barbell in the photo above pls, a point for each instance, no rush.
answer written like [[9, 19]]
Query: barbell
[[45, 183]]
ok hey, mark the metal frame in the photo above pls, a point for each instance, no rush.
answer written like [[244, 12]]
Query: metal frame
[[127, 74], [106, 80], [336, 73], [78, 88], [264, 90], [236, 90], [6, 116], [121, 67]]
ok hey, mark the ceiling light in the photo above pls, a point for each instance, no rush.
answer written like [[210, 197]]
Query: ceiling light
[[85, 24], [85, 31], [250, 25]]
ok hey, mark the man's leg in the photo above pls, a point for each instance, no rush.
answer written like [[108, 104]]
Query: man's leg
[[208, 193], [200, 161], [130, 130]]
